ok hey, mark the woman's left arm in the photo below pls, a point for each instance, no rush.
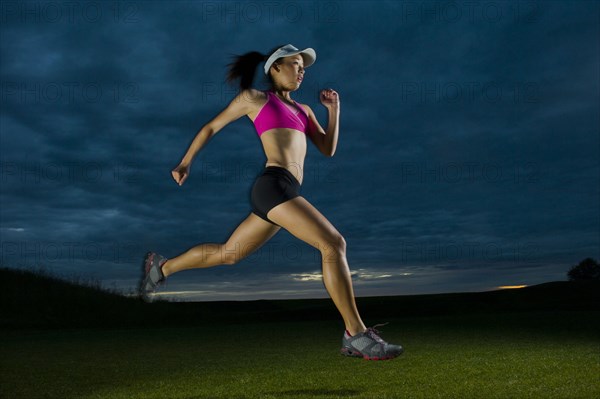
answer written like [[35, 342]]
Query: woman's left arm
[[325, 141], [330, 99]]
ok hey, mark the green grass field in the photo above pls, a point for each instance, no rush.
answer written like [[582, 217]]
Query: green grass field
[[503, 355]]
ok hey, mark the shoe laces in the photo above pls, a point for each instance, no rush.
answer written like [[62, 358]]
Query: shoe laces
[[372, 332]]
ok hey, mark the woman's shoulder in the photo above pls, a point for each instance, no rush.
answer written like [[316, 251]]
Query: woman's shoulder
[[306, 107], [254, 99]]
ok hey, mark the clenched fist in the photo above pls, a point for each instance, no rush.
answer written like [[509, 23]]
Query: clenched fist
[[181, 173], [329, 98]]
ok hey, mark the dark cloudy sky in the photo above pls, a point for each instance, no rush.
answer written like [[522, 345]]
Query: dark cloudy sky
[[467, 155]]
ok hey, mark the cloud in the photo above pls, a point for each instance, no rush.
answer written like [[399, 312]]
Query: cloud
[[467, 141]]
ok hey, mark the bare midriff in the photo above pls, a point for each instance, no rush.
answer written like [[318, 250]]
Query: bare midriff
[[285, 148]]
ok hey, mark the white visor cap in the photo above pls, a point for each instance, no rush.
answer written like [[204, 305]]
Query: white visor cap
[[308, 54]]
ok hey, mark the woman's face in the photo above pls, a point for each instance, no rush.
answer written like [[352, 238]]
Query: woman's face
[[291, 72]]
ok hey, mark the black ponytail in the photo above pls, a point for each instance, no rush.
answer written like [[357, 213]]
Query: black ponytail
[[244, 67]]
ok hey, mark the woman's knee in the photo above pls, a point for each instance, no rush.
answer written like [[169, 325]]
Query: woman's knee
[[229, 255], [333, 244], [230, 259], [232, 253], [216, 253]]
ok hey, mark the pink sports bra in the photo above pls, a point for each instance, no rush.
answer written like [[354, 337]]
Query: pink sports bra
[[275, 113]]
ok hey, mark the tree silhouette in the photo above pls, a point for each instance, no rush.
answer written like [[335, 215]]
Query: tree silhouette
[[587, 269]]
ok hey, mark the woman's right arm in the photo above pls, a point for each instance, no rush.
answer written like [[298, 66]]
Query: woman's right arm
[[241, 105]]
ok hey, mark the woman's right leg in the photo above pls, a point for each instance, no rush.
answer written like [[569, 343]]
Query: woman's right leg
[[304, 221], [250, 235]]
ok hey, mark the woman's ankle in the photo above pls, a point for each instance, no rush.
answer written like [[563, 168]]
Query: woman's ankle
[[355, 330], [165, 271]]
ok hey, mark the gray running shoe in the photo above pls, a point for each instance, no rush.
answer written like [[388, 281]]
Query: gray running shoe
[[369, 345], [153, 275]]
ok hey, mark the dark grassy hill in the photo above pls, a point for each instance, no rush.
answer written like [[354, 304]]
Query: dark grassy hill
[[37, 300]]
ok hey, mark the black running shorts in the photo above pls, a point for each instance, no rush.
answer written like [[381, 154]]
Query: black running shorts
[[272, 187]]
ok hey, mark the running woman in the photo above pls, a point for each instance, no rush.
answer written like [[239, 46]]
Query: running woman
[[282, 125]]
